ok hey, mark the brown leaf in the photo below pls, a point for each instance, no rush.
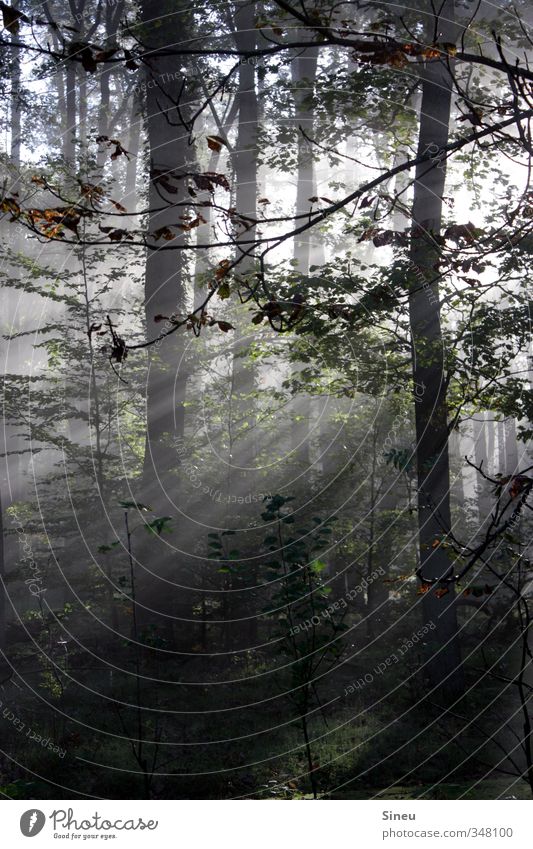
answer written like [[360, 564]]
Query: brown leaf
[[130, 62], [11, 18], [463, 232], [209, 180], [164, 233], [518, 484], [223, 268], [83, 52], [272, 308], [104, 55], [215, 143]]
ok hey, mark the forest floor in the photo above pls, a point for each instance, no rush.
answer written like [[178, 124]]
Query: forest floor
[[491, 788]]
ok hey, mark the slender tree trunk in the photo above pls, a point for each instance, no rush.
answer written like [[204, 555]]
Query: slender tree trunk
[[501, 448], [490, 435], [246, 165], [484, 501], [203, 262], [3, 588], [69, 137], [456, 458], [246, 152], [303, 69], [16, 348], [166, 291], [134, 147], [431, 413], [161, 599], [511, 447], [16, 110]]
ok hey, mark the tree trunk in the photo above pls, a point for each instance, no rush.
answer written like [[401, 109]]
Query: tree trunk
[[166, 290], [166, 293], [246, 164], [113, 13], [484, 500], [69, 136], [134, 145], [511, 448], [3, 588], [431, 414], [303, 69]]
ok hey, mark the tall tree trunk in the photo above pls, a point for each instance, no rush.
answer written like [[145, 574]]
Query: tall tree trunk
[[246, 164], [490, 437], [456, 459], [166, 290], [431, 413], [16, 110], [134, 145], [166, 293], [113, 14], [242, 418], [303, 69], [484, 500], [511, 448], [202, 259], [14, 307], [3, 588], [69, 136]]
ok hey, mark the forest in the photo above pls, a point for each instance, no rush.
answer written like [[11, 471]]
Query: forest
[[266, 483]]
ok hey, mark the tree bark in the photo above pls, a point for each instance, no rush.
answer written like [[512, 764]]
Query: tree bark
[[166, 291], [245, 161], [431, 414], [303, 70], [3, 588], [162, 602]]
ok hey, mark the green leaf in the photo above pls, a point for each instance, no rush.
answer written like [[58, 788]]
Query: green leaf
[[134, 504], [103, 549], [159, 525]]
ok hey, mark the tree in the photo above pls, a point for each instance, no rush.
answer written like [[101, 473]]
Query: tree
[[429, 378]]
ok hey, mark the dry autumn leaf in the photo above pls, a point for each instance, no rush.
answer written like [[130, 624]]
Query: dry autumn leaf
[[215, 143]]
